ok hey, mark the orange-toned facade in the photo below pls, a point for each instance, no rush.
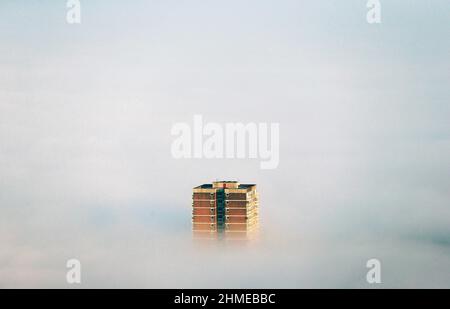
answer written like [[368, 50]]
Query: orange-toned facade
[[226, 208]]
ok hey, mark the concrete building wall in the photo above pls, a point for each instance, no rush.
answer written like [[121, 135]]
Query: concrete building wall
[[240, 205]]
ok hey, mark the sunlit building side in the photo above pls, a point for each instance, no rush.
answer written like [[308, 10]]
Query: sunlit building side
[[225, 209]]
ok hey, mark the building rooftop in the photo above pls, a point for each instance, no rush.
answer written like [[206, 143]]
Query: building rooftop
[[225, 184]]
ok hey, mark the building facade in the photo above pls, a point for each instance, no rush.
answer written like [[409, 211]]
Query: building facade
[[224, 208]]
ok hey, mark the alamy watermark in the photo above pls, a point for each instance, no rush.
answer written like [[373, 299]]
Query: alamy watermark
[[374, 14], [73, 15], [228, 141], [73, 275], [374, 274]]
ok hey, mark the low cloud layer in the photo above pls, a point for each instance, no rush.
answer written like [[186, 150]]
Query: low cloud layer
[[86, 169]]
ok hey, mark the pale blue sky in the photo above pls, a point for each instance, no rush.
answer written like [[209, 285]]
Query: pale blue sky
[[85, 118]]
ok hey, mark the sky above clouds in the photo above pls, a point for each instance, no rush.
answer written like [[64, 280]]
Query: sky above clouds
[[86, 113]]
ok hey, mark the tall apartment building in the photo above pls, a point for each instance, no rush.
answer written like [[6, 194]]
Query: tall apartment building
[[224, 208]]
